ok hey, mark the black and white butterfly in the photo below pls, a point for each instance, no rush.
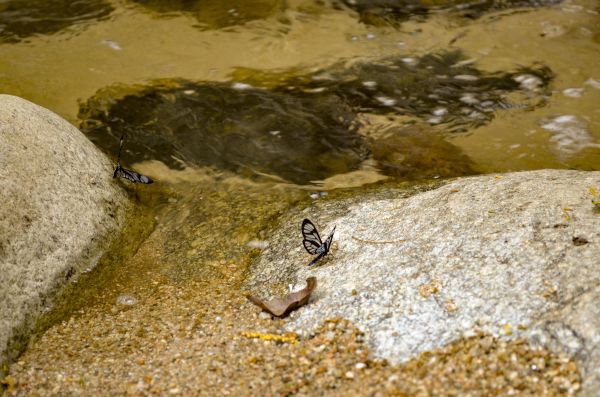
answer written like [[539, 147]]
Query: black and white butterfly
[[128, 174], [312, 241]]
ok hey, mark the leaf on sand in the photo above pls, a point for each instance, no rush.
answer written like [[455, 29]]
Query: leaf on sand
[[280, 307]]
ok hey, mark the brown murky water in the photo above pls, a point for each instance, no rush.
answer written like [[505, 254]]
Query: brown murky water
[[495, 114]]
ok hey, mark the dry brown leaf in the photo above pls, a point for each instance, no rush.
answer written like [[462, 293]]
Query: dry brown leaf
[[281, 307]]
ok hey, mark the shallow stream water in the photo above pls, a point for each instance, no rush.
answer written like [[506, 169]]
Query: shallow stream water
[[106, 50], [242, 109]]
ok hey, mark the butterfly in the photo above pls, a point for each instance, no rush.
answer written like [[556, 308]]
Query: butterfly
[[128, 174], [312, 241]]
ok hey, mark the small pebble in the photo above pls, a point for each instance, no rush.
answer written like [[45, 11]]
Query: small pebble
[[126, 300], [259, 244], [264, 316]]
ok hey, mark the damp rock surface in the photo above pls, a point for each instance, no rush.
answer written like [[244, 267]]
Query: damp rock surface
[[59, 207], [493, 253]]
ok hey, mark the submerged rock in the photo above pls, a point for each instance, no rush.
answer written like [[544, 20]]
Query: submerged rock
[[215, 14], [20, 19], [500, 254], [416, 153], [305, 128], [296, 137], [60, 206], [441, 89], [381, 12]]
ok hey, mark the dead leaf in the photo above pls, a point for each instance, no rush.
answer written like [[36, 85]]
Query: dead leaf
[[281, 307]]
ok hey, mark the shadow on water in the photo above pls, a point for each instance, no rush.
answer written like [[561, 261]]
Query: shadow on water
[[306, 128], [20, 19], [215, 14], [445, 89], [296, 137], [392, 12]]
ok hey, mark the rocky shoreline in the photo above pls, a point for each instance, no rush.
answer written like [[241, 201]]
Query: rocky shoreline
[[479, 285]]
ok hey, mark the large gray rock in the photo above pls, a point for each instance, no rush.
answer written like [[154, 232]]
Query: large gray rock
[[59, 206], [513, 254]]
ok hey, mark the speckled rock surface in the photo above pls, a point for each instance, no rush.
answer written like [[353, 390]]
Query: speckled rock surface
[[512, 254], [59, 204]]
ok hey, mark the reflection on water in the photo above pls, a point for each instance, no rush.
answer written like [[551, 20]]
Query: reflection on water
[[303, 91], [22, 18], [441, 88], [215, 14], [298, 138], [378, 12], [417, 153], [302, 128]]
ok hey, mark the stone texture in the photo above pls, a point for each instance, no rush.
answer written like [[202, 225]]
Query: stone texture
[[59, 206], [503, 254]]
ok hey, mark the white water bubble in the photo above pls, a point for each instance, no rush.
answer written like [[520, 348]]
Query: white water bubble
[[573, 92], [386, 101], [440, 112], [593, 83], [240, 86], [469, 99], [466, 77], [570, 134], [112, 45], [528, 81]]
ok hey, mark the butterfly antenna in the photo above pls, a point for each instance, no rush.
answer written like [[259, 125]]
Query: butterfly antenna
[[120, 148]]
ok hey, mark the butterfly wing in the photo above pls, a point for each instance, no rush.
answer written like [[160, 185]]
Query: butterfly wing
[[327, 243], [128, 174], [311, 247], [312, 240], [134, 176]]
